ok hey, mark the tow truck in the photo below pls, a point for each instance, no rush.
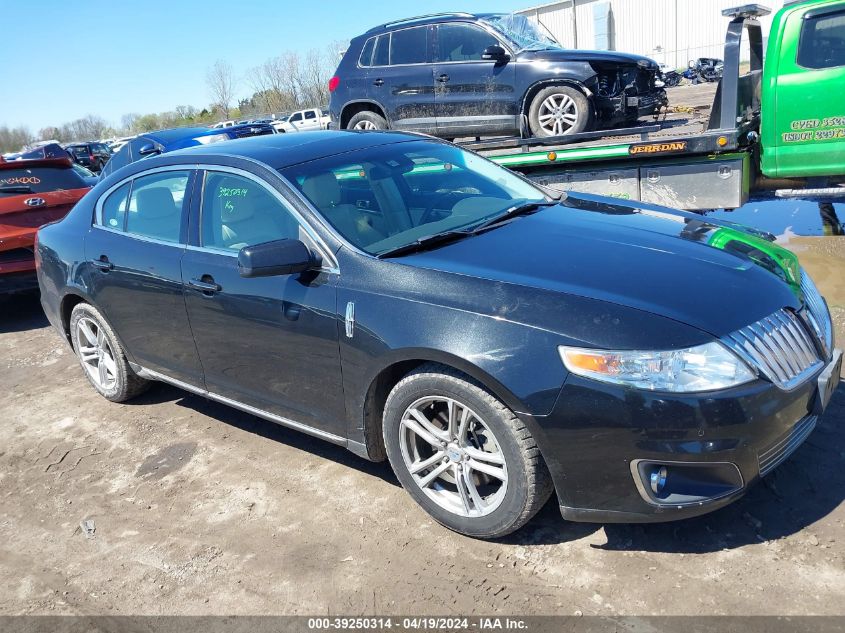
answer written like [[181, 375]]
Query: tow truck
[[779, 125]]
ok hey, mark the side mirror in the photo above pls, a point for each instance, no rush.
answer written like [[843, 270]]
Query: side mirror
[[495, 53], [147, 149], [279, 257]]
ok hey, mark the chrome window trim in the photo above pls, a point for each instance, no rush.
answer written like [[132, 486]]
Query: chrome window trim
[[299, 426], [321, 247], [330, 263]]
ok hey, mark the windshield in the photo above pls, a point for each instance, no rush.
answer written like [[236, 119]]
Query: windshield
[[386, 197], [521, 31]]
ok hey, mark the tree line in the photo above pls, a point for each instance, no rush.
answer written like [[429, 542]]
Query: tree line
[[288, 82]]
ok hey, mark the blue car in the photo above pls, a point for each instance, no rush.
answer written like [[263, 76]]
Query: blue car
[[162, 141]]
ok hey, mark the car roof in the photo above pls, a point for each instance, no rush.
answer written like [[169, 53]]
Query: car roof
[[283, 150], [166, 137]]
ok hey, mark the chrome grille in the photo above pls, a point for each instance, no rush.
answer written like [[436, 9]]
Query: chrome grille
[[772, 456], [819, 315], [779, 346]]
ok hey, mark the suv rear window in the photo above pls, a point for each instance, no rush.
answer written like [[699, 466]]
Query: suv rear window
[[16, 182], [366, 57]]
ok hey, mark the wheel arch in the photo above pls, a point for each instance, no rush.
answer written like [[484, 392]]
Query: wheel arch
[[532, 91], [361, 105], [398, 365], [69, 301]]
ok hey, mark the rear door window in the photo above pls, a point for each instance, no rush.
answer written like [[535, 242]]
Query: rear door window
[[310, 114], [156, 205], [16, 182], [822, 43], [409, 46]]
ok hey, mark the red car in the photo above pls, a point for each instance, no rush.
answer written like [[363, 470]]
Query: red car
[[32, 193]]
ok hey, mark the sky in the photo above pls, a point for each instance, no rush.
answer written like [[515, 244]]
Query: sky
[[62, 60]]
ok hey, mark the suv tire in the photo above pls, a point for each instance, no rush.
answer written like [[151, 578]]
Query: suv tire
[[482, 475], [102, 357], [560, 110], [367, 120]]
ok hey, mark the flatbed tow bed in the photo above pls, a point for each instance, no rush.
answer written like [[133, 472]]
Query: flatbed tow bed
[[704, 158]]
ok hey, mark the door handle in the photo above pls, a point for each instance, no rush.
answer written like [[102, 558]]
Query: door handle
[[206, 287], [378, 82], [102, 264], [443, 78]]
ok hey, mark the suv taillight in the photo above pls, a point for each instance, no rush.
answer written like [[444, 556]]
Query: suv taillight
[[333, 83]]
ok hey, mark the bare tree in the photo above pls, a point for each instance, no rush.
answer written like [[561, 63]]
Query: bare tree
[[221, 86], [127, 121], [14, 139]]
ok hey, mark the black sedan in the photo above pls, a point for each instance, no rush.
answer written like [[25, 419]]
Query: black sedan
[[410, 300]]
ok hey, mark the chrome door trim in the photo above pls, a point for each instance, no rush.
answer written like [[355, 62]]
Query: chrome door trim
[[272, 417]]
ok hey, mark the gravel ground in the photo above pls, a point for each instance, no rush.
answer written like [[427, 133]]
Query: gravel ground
[[200, 509]]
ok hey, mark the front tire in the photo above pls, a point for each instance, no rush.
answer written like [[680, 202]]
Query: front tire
[[367, 120], [558, 111], [462, 454], [102, 357]]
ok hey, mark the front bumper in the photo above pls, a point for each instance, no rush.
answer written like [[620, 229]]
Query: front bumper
[[598, 433]]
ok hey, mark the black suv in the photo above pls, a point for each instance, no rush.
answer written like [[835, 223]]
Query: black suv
[[90, 155], [460, 74]]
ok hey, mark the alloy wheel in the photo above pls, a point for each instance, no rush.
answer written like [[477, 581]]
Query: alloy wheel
[[365, 125], [95, 353], [453, 456], [558, 114]]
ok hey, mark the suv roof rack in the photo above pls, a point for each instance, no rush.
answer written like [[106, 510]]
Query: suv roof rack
[[450, 14]]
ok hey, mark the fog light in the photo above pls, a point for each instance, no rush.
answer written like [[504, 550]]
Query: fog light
[[658, 479]]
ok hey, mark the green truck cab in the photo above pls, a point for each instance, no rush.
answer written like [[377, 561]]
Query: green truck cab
[[803, 100], [776, 121]]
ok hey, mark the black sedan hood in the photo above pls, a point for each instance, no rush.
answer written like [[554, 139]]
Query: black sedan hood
[[575, 55], [670, 263]]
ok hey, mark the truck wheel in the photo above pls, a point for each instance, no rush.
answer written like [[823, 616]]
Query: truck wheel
[[367, 120], [462, 454], [559, 110], [102, 357]]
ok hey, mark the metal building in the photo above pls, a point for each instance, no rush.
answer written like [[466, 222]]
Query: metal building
[[671, 32]]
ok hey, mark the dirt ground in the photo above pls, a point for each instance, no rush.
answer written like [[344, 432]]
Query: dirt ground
[[200, 509]]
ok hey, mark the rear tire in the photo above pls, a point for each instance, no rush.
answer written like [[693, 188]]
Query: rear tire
[[482, 474], [560, 110], [367, 120], [102, 357]]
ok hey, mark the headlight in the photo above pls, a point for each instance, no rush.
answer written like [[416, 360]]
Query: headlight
[[702, 368]]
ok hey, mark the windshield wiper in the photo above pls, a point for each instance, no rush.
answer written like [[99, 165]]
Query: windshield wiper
[[520, 209], [16, 189], [424, 243]]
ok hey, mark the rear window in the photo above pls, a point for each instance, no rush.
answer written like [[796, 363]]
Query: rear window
[[78, 149], [15, 182], [822, 43], [367, 53]]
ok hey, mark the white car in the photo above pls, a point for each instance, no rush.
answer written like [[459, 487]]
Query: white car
[[302, 121], [223, 124]]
